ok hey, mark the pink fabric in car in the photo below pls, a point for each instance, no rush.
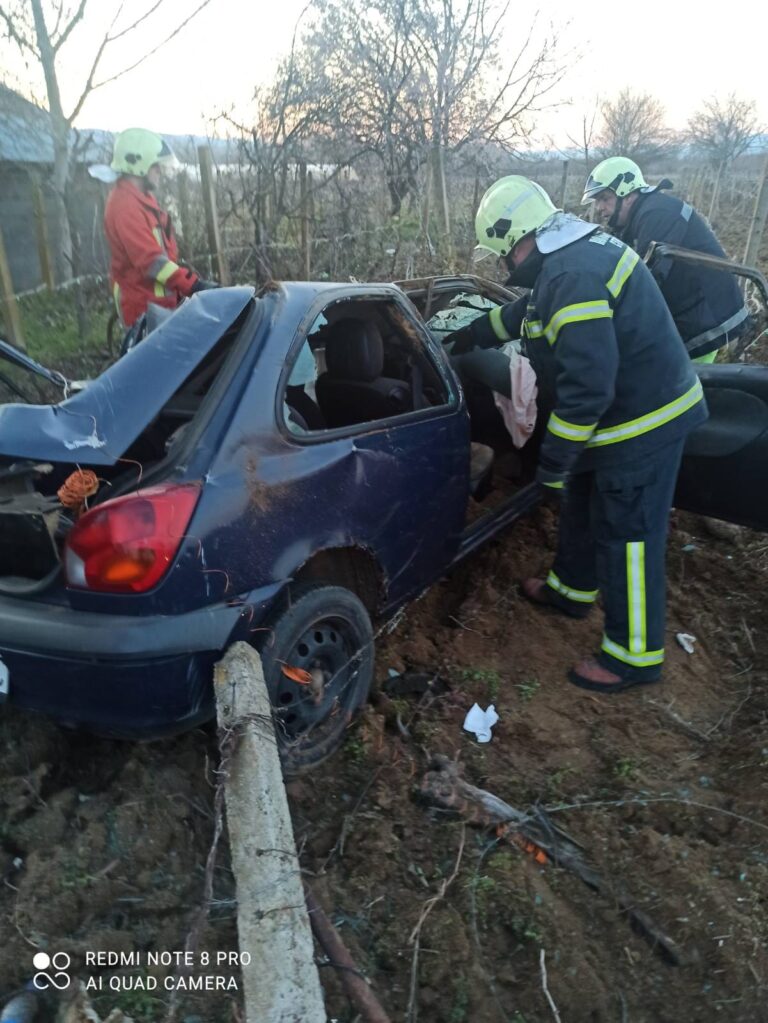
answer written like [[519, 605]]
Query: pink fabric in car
[[519, 411]]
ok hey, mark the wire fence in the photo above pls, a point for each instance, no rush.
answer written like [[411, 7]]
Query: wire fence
[[236, 228]]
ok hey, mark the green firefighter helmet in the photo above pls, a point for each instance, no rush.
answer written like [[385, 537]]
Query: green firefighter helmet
[[136, 150], [511, 208], [618, 173]]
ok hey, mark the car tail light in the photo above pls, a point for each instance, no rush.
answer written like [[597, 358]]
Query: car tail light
[[126, 545]]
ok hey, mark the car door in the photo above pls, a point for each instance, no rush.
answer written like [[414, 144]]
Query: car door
[[394, 485], [724, 472]]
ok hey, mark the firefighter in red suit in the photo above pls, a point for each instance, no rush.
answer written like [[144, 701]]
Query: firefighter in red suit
[[144, 263]]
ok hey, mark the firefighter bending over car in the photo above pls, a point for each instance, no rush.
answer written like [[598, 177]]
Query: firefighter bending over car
[[624, 395], [706, 304], [144, 265]]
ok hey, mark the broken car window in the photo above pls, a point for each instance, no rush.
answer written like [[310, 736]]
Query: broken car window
[[361, 362]]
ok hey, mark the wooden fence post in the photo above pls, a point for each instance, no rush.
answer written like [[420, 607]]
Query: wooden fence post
[[185, 225], [41, 230], [426, 208], [306, 252], [211, 216], [694, 188], [563, 186], [10, 307], [280, 982], [716, 192], [759, 218], [441, 197], [473, 211]]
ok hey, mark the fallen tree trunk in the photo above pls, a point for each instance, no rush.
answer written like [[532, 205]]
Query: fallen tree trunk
[[443, 786], [281, 982]]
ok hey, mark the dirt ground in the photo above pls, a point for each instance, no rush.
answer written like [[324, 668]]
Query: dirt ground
[[104, 844]]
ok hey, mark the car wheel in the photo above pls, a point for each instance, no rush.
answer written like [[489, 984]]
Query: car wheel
[[325, 633]]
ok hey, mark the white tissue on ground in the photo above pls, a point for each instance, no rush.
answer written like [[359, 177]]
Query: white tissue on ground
[[481, 722], [686, 641]]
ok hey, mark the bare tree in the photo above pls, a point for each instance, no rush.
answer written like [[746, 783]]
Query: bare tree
[[288, 117], [403, 79], [41, 30], [633, 125], [722, 129], [585, 141]]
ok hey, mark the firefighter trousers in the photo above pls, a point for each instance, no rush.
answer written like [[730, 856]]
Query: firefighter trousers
[[612, 540]]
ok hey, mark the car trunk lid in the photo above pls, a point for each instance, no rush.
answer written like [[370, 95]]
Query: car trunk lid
[[42, 446]]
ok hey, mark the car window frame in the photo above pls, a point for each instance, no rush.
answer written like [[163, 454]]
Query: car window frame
[[431, 349]]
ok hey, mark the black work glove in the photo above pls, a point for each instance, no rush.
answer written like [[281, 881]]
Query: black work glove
[[552, 484], [477, 334], [202, 285], [463, 340]]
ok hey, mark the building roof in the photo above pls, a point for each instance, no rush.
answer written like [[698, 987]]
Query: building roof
[[25, 134], [25, 137]]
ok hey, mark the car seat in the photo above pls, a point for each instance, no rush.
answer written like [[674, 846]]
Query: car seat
[[304, 411], [353, 389]]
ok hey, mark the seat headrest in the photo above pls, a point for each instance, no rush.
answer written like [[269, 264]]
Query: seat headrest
[[354, 350]]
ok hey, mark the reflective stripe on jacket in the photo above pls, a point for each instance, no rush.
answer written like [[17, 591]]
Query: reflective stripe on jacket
[[608, 357], [144, 252], [706, 304]]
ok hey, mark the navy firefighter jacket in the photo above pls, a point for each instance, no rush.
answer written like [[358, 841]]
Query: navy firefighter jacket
[[601, 340], [706, 304]]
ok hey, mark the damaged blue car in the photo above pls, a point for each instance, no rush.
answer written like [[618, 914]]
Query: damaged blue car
[[289, 468]]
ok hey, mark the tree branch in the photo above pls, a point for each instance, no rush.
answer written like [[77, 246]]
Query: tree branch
[[130, 28], [21, 41], [74, 21], [91, 86]]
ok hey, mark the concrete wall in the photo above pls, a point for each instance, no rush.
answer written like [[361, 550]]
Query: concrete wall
[[17, 220]]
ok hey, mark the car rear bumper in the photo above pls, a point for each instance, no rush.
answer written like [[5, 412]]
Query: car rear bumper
[[118, 675], [120, 699], [53, 629]]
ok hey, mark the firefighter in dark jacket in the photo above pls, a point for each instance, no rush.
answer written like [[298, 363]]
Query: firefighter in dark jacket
[[144, 263], [623, 397], [706, 305]]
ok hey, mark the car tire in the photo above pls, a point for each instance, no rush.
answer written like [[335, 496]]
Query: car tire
[[326, 631]]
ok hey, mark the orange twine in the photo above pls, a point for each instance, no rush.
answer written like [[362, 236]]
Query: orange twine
[[505, 831], [77, 488]]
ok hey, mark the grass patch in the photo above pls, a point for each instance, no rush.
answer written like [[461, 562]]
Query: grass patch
[[50, 325], [556, 779], [459, 1011], [528, 689], [625, 769], [487, 677]]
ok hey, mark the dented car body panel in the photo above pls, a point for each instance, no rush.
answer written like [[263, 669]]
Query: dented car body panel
[[202, 401], [98, 424], [395, 491]]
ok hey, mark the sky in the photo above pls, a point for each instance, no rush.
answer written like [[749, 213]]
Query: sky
[[682, 52]]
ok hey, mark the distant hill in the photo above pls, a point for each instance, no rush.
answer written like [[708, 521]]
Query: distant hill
[[25, 137]]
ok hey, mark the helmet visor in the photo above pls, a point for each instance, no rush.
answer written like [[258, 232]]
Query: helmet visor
[[167, 158], [592, 189]]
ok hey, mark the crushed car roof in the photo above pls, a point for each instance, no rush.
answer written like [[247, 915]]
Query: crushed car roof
[[101, 422]]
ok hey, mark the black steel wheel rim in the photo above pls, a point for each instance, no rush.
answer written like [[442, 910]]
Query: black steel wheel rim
[[328, 646]]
